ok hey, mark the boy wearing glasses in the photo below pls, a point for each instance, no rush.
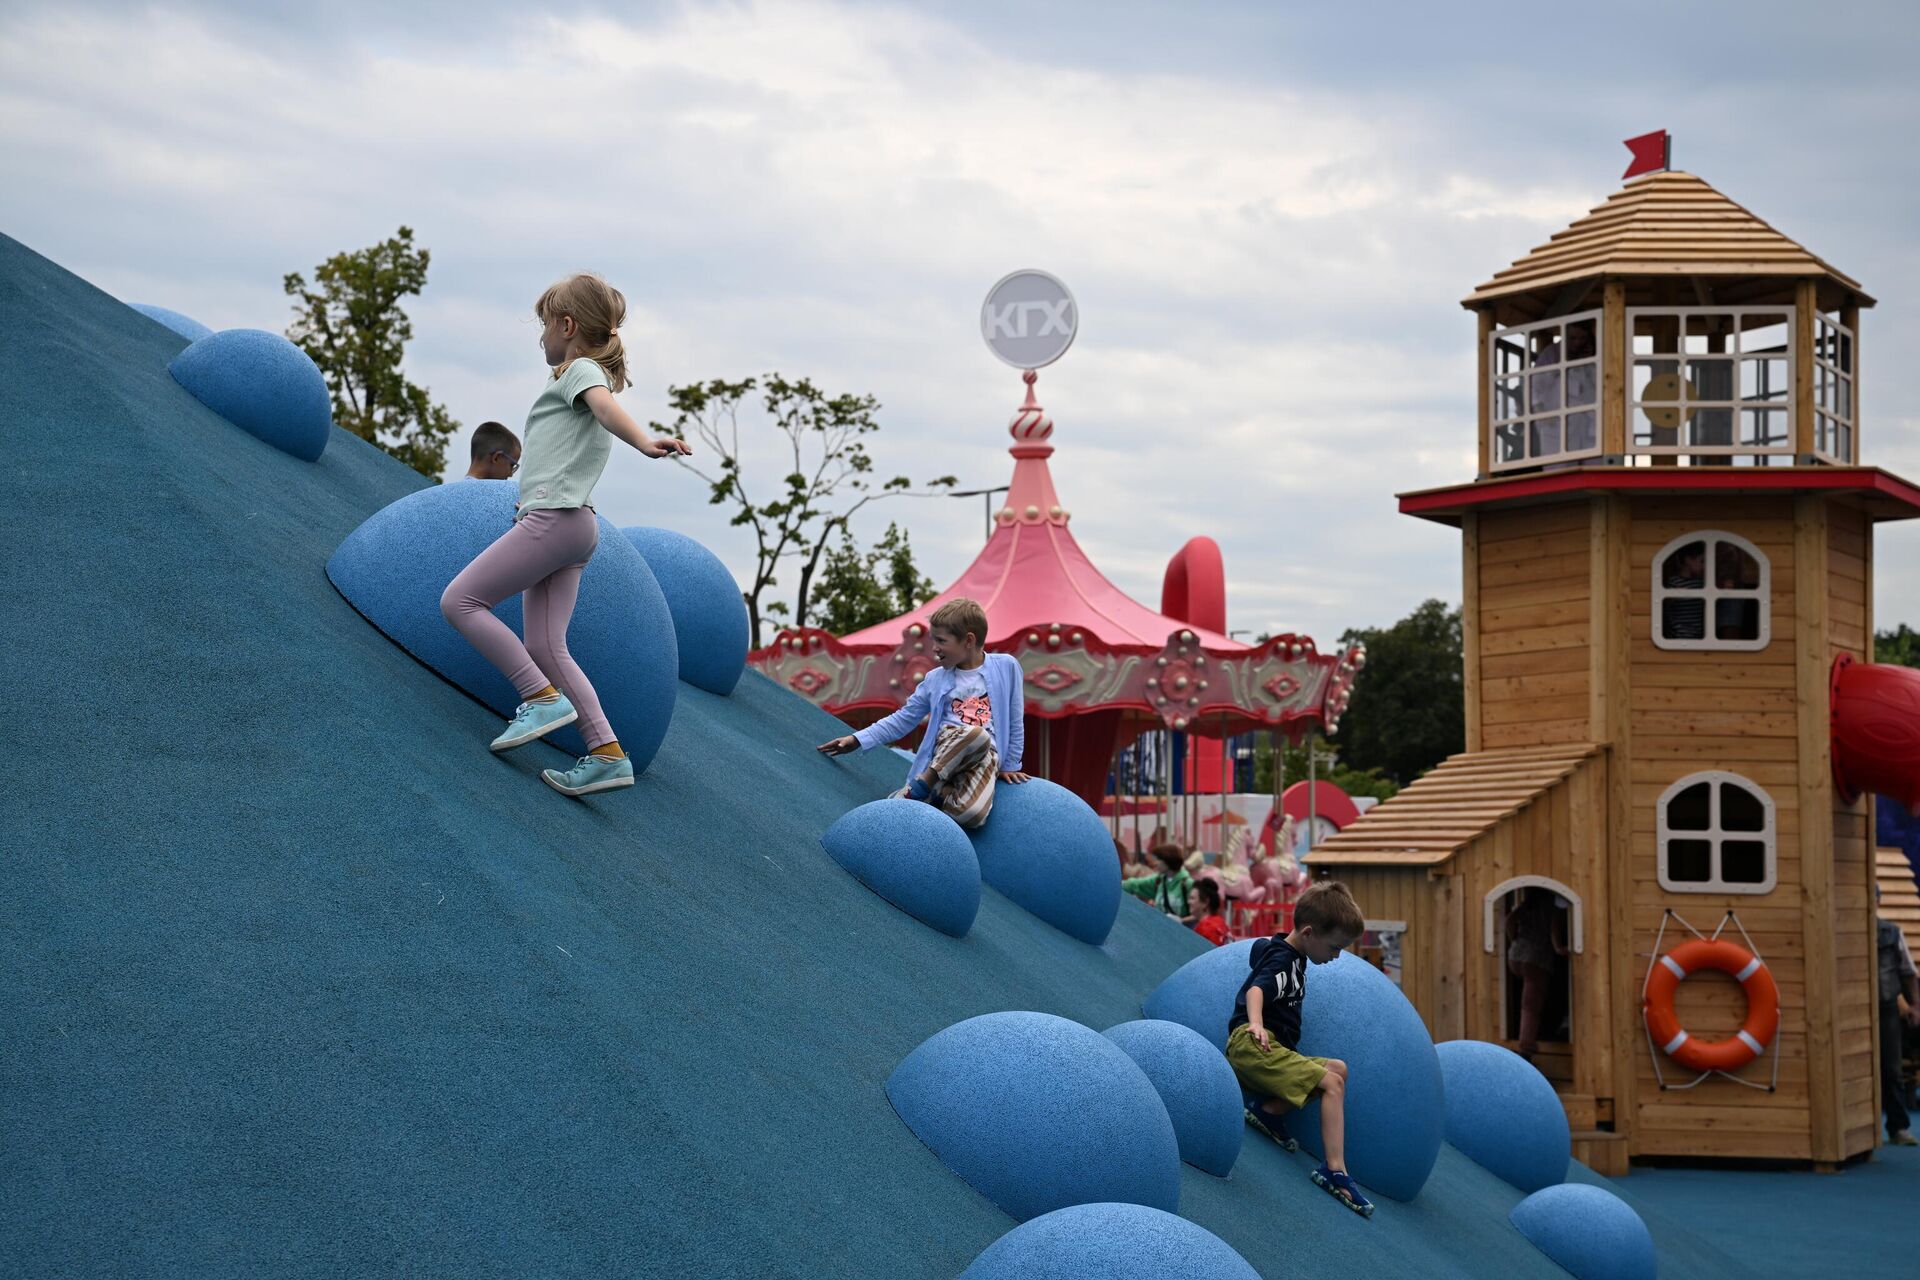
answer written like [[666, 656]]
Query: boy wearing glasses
[[496, 453]]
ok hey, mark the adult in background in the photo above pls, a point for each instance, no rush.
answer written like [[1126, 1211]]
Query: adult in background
[[1535, 936], [1170, 888], [496, 452], [1899, 1009]]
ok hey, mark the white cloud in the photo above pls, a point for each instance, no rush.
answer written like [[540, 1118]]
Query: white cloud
[[1269, 272]]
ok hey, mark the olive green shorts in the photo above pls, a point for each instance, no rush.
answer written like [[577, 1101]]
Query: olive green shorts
[[1277, 1073]]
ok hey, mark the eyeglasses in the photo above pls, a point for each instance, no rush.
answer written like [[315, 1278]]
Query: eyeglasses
[[513, 463]]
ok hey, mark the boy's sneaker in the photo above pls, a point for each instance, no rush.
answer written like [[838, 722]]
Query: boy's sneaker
[[591, 774], [1341, 1187], [1273, 1126], [1903, 1138], [535, 720]]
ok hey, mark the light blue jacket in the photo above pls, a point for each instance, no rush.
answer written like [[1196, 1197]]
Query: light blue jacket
[[1005, 687]]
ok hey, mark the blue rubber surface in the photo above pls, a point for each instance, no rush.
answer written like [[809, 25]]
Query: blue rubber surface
[[709, 616], [395, 566], [1037, 1113], [184, 325], [915, 857], [1112, 1242], [1504, 1114], [262, 384], [1201, 1093], [1044, 848], [301, 981], [1588, 1230]]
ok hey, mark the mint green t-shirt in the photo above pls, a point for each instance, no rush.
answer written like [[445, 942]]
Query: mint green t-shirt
[[566, 449]]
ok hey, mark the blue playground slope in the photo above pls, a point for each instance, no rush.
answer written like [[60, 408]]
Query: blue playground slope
[[302, 981]]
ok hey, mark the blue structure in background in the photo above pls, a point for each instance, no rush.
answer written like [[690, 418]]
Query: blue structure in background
[[1504, 1115], [186, 326], [915, 857], [1895, 828], [395, 566], [1111, 1242], [1037, 1113], [1199, 994], [262, 384], [1044, 848], [1589, 1231], [1395, 1106], [1199, 1089], [709, 616]]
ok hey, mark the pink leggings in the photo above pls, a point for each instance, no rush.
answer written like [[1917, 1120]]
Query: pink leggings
[[542, 555]]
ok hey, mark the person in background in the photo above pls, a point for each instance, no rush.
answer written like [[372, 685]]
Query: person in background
[[1536, 933], [1209, 921], [496, 452], [1899, 1009], [1685, 617], [1168, 889]]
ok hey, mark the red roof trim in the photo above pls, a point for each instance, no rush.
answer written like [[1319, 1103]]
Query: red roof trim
[[1868, 481]]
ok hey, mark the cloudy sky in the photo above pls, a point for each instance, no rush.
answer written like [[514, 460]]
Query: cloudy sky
[[1268, 217]]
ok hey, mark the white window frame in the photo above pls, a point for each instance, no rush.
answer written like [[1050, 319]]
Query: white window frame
[[1562, 367], [1682, 449], [1710, 595], [1716, 778], [1828, 421], [1576, 911]]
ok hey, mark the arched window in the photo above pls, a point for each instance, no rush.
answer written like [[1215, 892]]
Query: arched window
[[1712, 590], [1716, 835]]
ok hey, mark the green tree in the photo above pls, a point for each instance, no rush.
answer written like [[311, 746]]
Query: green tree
[[1293, 759], [1407, 712], [1900, 646], [351, 323], [830, 476], [858, 589]]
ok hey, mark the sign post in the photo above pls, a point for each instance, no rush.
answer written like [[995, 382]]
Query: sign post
[[1029, 319]]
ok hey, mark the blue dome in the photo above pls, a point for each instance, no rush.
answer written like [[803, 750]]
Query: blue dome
[[1396, 1106], [1504, 1115], [262, 384], [915, 857], [709, 615], [1201, 1094], [1589, 1231], [1045, 849], [395, 566], [186, 326], [1199, 994], [1111, 1242], [1037, 1113]]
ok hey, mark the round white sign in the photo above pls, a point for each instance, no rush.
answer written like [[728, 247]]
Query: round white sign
[[1029, 319]]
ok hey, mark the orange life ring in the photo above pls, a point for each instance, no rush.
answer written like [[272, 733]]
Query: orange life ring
[[1763, 1005]]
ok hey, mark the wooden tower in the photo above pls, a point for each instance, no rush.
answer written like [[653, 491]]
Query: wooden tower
[[1668, 545]]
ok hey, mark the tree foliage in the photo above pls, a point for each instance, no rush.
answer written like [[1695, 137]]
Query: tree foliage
[[858, 589], [351, 323], [1407, 712], [794, 518], [1899, 647]]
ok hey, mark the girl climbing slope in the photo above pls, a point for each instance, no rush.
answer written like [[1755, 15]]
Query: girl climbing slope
[[555, 531]]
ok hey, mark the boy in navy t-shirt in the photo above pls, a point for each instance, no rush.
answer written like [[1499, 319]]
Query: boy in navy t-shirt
[[1264, 1033]]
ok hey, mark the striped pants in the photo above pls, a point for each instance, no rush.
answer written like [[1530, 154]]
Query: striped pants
[[964, 766]]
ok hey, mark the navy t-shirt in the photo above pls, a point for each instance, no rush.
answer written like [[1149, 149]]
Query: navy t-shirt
[[1281, 974]]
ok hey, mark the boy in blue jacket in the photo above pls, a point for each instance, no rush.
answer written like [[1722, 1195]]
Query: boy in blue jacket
[[973, 705]]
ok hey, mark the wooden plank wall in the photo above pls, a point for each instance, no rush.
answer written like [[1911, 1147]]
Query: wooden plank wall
[[1531, 600], [1400, 893], [1691, 711], [1850, 630]]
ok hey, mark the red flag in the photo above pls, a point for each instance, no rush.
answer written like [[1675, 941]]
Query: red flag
[[1651, 151]]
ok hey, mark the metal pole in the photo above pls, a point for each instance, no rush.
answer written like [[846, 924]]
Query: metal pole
[[1313, 761]]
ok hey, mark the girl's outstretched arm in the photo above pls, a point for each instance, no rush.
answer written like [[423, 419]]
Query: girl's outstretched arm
[[608, 413]]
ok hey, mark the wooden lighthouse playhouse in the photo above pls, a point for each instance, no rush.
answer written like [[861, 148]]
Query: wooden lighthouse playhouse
[[1672, 717]]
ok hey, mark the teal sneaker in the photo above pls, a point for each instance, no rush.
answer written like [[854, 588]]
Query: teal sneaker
[[591, 774], [535, 720]]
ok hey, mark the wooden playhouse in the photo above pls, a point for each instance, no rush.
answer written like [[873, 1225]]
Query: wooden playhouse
[[1668, 571]]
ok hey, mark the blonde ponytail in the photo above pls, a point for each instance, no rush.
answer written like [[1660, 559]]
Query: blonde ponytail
[[598, 310]]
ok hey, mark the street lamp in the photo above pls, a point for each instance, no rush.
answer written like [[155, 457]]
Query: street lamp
[[981, 493]]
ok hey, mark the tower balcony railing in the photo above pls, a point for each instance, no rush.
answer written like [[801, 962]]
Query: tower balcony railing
[[1694, 385]]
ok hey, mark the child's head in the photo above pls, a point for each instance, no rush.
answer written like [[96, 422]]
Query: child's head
[[1209, 897], [581, 317], [496, 452], [959, 631], [1326, 920]]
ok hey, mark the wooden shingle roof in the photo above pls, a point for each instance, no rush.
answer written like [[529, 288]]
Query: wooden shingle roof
[[1670, 224], [1460, 799], [1899, 899]]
